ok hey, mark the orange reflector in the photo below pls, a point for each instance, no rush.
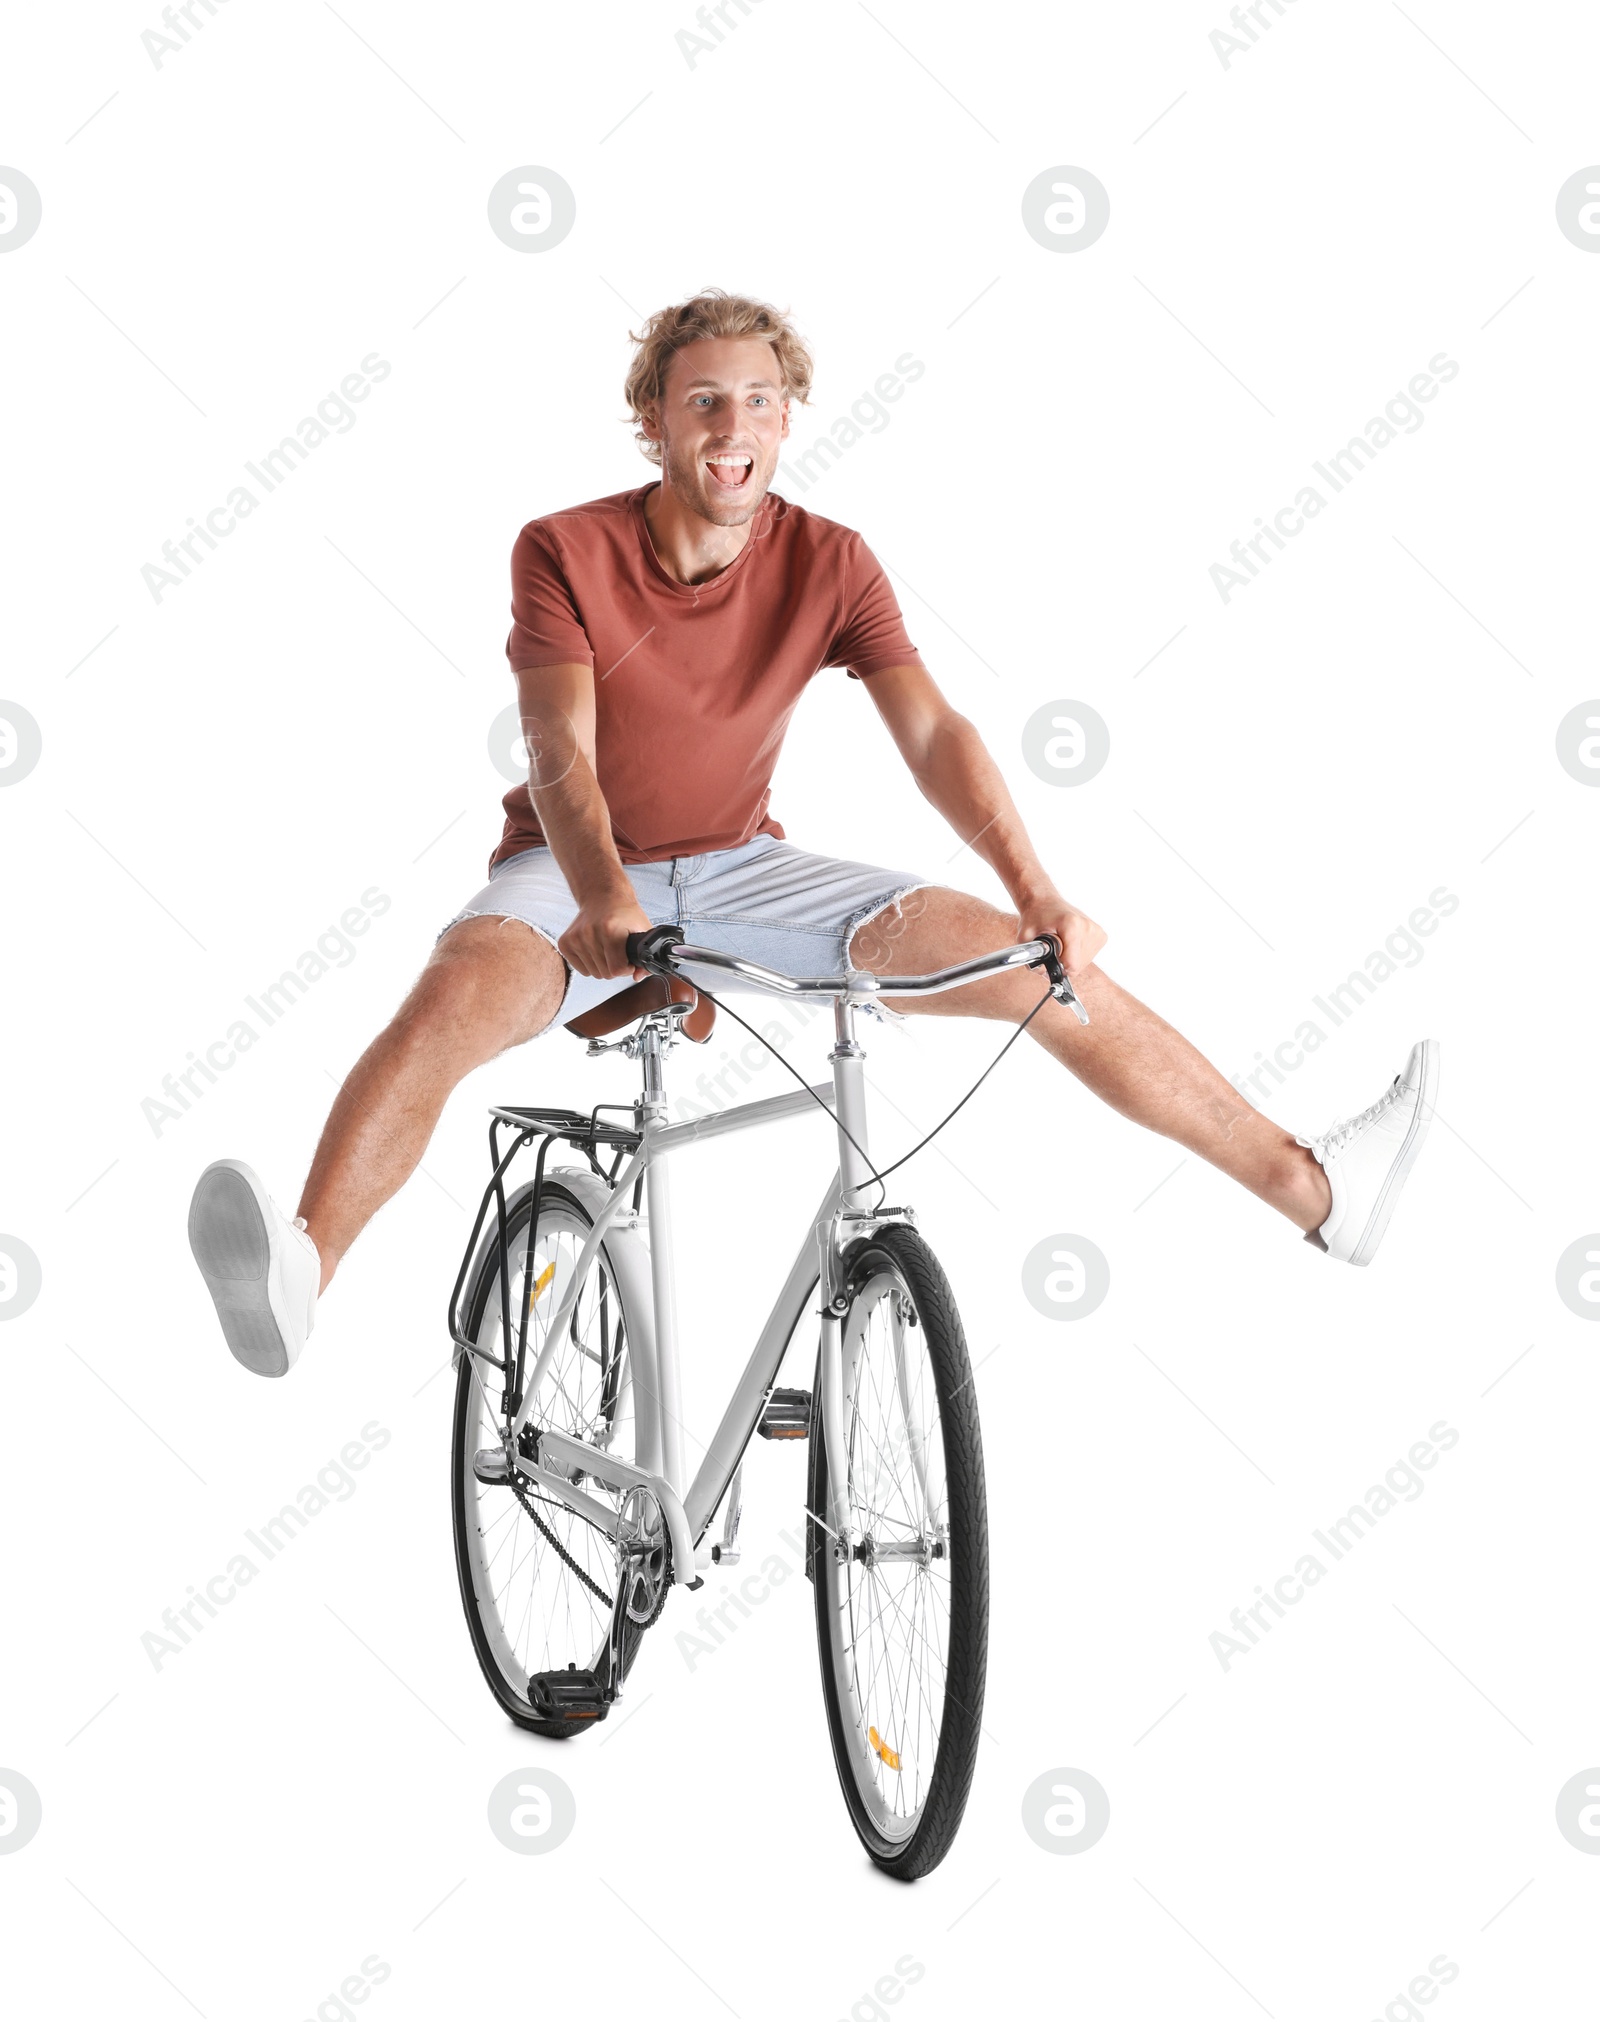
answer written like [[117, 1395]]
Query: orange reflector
[[882, 1749], [542, 1282]]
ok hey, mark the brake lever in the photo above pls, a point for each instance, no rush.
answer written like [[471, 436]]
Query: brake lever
[[1060, 982]]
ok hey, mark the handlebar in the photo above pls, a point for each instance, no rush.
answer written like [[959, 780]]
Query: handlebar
[[663, 951]]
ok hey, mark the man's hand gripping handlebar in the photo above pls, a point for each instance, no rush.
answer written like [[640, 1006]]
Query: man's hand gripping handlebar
[[656, 951]]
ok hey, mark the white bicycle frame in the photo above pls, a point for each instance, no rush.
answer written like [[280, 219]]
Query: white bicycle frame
[[841, 1217]]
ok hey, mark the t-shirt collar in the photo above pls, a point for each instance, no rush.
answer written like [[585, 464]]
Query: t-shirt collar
[[758, 530]]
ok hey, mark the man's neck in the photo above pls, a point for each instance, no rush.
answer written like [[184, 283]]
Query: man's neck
[[689, 548]]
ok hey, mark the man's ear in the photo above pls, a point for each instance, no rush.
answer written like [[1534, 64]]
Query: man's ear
[[783, 433]]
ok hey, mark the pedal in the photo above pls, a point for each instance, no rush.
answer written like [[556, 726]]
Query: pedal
[[567, 1695], [787, 1416]]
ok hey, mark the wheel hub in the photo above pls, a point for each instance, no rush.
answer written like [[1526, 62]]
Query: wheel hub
[[921, 1551]]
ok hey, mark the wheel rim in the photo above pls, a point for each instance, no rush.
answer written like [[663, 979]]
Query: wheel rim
[[890, 1613], [537, 1612]]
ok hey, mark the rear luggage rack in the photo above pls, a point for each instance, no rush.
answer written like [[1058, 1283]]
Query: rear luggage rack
[[581, 1128], [528, 1126]]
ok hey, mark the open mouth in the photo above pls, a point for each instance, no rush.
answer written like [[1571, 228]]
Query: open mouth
[[730, 472]]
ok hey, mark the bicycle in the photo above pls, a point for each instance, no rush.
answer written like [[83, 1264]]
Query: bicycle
[[567, 1464]]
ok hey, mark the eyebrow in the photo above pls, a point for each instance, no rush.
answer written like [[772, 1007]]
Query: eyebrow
[[770, 385]]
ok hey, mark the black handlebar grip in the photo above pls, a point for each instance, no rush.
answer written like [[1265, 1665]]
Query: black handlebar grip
[[1060, 982], [650, 949], [1052, 962]]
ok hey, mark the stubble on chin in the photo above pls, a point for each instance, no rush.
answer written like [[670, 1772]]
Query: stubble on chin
[[689, 483]]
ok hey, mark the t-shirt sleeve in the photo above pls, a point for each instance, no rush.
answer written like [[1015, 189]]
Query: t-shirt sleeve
[[546, 630], [872, 633]]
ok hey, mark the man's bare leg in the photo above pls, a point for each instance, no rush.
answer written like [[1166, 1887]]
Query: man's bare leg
[[489, 984], [1128, 1056]]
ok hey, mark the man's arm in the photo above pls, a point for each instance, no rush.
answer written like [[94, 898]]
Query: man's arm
[[950, 763], [558, 715]]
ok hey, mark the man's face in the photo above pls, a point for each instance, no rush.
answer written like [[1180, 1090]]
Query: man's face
[[721, 419]]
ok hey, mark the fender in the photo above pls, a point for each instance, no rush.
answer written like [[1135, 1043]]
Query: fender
[[626, 1254]]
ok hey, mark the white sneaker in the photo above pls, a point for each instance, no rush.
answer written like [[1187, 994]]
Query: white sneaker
[[1367, 1158], [261, 1269]]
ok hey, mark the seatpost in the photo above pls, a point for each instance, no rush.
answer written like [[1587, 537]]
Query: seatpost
[[652, 1111], [654, 1099], [849, 1089]]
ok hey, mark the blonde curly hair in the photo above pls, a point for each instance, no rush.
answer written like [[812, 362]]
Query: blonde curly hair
[[714, 312]]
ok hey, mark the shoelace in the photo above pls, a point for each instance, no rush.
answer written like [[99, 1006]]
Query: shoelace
[[1338, 1135]]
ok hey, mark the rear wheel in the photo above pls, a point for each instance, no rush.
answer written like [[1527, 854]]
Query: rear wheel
[[902, 1593], [537, 1582]]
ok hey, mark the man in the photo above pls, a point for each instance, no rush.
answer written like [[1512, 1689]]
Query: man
[[661, 639]]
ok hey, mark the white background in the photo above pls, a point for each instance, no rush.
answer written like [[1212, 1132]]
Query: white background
[[1292, 772]]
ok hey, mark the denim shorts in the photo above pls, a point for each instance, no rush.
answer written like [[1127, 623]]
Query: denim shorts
[[766, 901]]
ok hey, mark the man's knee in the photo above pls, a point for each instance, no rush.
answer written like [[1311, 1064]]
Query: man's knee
[[928, 927], [489, 984]]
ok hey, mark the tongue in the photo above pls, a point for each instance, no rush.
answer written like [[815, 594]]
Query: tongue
[[729, 475]]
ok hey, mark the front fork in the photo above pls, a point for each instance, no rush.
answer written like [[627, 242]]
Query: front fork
[[831, 1409], [855, 1176]]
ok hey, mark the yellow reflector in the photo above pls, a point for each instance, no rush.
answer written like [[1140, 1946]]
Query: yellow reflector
[[882, 1749], [542, 1282]]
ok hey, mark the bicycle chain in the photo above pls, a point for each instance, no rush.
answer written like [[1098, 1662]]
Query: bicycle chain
[[562, 1553]]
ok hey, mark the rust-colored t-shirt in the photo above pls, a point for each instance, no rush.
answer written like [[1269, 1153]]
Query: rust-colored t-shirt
[[694, 683]]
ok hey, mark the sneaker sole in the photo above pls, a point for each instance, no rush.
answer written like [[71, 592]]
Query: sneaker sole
[[231, 1239], [1378, 1222]]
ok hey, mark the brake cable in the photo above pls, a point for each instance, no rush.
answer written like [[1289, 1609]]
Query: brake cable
[[880, 1177]]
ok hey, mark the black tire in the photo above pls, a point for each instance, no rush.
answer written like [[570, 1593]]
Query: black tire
[[898, 1253], [558, 1200]]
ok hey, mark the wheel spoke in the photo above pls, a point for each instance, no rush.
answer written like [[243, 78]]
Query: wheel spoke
[[537, 1611], [893, 1614]]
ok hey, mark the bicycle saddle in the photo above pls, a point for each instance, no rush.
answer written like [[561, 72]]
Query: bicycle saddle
[[650, 993]]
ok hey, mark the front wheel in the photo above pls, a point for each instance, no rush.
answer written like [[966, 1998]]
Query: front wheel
[[900, 1560]]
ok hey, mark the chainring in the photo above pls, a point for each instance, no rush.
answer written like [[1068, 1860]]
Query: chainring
[[644, 1557]]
